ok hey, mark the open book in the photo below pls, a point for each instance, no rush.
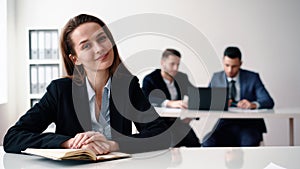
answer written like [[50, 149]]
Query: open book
[[74, 154]]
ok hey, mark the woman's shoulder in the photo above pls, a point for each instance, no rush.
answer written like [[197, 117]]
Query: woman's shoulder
[[64, 80], [61, 83]]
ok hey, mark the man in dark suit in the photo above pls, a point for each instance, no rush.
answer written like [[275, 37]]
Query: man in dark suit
[[166, 87], [246, 91]]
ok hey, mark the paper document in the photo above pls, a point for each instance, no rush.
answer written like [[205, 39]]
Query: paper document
[[273, 166], [239, 110], [167, 110]]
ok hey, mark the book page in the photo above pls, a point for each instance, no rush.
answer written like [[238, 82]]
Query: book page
[[74, 154], [113, 155]]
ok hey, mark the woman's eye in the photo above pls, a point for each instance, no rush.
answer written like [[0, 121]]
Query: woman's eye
[[86, 46], [101, 38]]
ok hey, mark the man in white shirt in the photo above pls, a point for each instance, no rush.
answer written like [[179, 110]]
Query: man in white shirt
[[166, 87]]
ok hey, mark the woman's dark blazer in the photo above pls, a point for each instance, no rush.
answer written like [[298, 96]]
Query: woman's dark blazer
[[66, 104]]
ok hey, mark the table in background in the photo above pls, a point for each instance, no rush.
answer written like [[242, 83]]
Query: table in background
[[181, 158], [287, 113]]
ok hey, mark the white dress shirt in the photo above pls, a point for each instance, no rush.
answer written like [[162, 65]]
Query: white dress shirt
[[172, 90], [101, 125], [237, 86]]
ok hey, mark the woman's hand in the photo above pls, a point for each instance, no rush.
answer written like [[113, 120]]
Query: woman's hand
[[102, 147], [84, 138], [94, 141]]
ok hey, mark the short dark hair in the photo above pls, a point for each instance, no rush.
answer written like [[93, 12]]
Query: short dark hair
[[233, 52], [169, 52]]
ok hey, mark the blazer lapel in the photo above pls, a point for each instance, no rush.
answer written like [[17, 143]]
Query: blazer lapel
[[242, 82], [119, 102], [163, 85], [178, 90], [224, 80], [81, 105]]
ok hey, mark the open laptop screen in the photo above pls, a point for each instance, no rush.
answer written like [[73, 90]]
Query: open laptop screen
[[207, 98]]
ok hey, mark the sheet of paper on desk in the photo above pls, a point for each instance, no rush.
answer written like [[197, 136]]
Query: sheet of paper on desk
[[167, 110], [239, 110], [273, 166]]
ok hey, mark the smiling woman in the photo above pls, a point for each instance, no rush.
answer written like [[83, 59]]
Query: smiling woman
[[3, 54], [95, 106]]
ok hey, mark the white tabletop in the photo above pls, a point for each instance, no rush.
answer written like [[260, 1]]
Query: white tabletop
[[208, 119], [185, 158], [232, 113]]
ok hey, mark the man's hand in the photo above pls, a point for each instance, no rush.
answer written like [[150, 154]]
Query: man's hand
[[177, 104], [245, 104]]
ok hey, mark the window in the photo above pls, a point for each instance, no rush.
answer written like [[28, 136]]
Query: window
[[3, 51]]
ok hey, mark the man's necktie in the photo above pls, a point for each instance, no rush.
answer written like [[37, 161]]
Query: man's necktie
[[232, 90]]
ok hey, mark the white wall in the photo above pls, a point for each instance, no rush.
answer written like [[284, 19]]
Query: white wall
[[8, 110], [3, 52], [267, 32]]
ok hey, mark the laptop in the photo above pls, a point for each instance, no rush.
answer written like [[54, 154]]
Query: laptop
[[208, 98]]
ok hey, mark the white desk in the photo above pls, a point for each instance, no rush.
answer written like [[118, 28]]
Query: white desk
[[180, 158], [289, 114]]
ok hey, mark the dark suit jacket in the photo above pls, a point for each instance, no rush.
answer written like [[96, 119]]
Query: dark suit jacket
[[252, 89], [72, 115], [155, 88]]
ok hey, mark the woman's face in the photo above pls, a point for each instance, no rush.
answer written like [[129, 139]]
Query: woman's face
[[93, 47]]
